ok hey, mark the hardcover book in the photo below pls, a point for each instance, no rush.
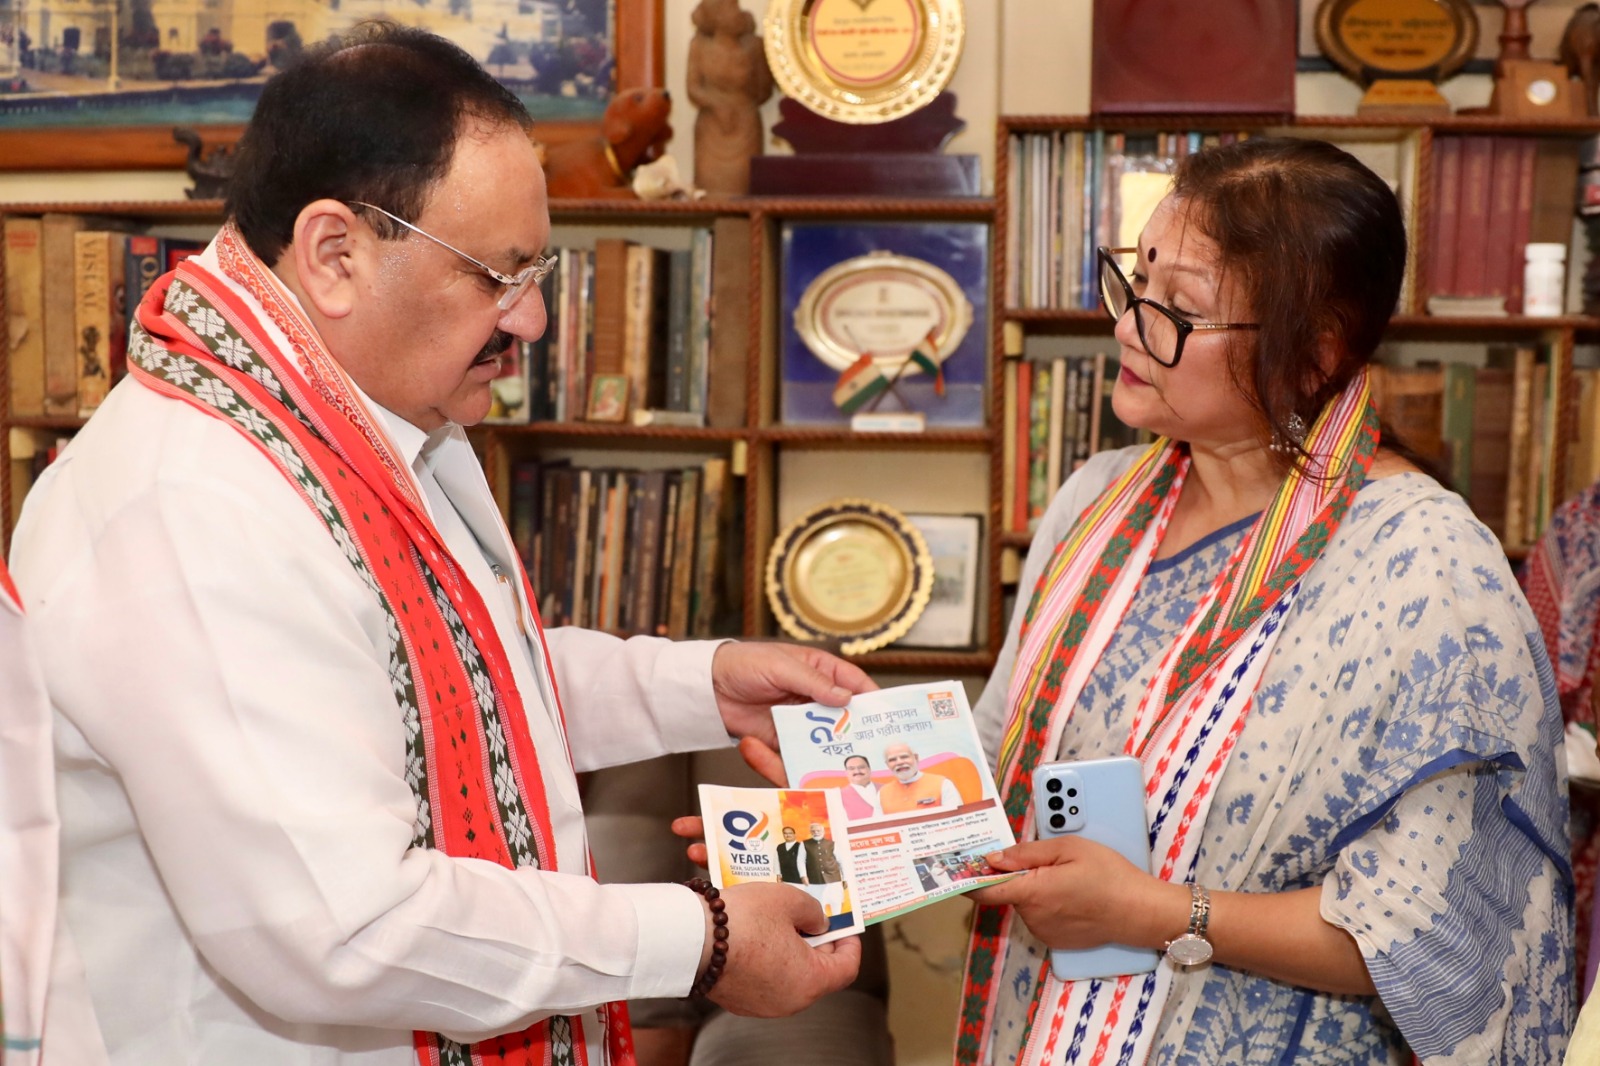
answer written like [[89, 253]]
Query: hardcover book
[[24, 305]]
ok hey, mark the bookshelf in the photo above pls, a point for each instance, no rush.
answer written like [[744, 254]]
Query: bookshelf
[[758, 450], [1046, 311]]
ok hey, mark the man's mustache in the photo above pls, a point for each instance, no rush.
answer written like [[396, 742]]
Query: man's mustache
[[496, 345]]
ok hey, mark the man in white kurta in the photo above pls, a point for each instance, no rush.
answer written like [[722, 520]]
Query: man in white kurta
[[238, 869], [28, 829]]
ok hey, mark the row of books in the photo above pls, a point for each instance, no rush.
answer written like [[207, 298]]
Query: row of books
[[1495, 434], [72, 283], [1057, 414], [628, 551], [1072, 191], [629, 332], [31, 450], [1492, 196]]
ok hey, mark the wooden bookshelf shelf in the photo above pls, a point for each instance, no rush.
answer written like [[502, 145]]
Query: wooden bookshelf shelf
[[615, 431], [63, 423], [954, 662], [825, 436]]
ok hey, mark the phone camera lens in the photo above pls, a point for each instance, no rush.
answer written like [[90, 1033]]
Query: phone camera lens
[[1055, 803], [1058, 822], [1072, 810], [1072, 792], [1052, 785]]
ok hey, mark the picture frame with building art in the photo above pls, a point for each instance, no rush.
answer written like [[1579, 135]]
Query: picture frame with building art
[[101, 83]]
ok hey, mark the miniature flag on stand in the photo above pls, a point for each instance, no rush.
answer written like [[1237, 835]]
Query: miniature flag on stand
[[861, 382], [928, 365]]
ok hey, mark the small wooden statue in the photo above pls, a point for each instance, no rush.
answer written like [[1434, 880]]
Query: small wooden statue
[[1580, 51], [728, 82]]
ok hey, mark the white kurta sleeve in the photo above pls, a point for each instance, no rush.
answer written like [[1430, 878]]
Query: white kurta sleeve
[[229, 668], [635, 699]]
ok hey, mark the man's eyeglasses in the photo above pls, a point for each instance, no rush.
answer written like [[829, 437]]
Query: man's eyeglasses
[[1162, 332], [516, 285]]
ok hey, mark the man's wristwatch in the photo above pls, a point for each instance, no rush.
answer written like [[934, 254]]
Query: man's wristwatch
[[1192, 948]]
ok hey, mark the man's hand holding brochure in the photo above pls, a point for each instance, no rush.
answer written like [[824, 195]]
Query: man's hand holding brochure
[[892, 805]]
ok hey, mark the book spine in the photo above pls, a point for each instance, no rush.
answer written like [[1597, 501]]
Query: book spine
[[1039, 489], [1521, 446], [730, 342], [669, 550], [25, 314], [679, 297], [1008, 441], [713, 490], [610, 305], [1055, 426], [646, 551], [1500, 261], [60, 314], [1491, 446], [524, 511], [637, 326], [1446, 216], [1460, 380], [700, 319], [144, 263], [1024, 435], [1477, 161], [1538, 451], [1522, 219], [584, 537], [98, 263], [562, 486], [686, 531], [616, 551]]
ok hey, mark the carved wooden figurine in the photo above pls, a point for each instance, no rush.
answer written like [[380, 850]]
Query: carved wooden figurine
[[1580, 51], [728, 82]]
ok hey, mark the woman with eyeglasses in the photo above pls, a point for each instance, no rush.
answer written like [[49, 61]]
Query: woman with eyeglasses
[[1340, 702]]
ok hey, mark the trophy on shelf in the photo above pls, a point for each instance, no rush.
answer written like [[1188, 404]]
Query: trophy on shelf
[[1525, 87], [1398, 49], [864, 103]]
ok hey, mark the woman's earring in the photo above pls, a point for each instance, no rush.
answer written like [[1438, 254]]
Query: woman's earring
[[1293, 438]]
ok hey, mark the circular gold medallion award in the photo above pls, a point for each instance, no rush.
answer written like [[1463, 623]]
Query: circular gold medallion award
[[852, 570], [863, 61]]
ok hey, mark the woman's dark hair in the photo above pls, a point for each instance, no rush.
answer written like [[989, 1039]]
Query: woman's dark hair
[[1315, 243], [373, 116]]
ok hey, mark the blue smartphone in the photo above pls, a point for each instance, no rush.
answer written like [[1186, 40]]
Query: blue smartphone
[[1100, 800]]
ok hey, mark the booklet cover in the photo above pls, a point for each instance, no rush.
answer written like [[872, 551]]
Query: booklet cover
[[785, 834], [919, 800]]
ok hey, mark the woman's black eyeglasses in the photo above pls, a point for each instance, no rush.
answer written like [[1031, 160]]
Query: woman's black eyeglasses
[[1161, 333]]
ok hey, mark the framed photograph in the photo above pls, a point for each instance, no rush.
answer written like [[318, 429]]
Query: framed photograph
[[884, 290], [950, 619], [69, 101], [608, 398]]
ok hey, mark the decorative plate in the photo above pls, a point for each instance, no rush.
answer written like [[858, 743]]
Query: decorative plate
[[856, 571]]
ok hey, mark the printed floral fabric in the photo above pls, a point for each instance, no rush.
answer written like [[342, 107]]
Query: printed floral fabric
[[1562, 580], [1401, 754]]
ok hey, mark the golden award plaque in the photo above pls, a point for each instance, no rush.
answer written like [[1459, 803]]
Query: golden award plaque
[[1398, 49], [863, 61], [854, 571], [885, 305]]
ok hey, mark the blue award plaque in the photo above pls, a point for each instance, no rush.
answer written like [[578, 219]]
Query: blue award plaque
[[912, 296]]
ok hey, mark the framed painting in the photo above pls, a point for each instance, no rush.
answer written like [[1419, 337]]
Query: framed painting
[[69, 101]]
